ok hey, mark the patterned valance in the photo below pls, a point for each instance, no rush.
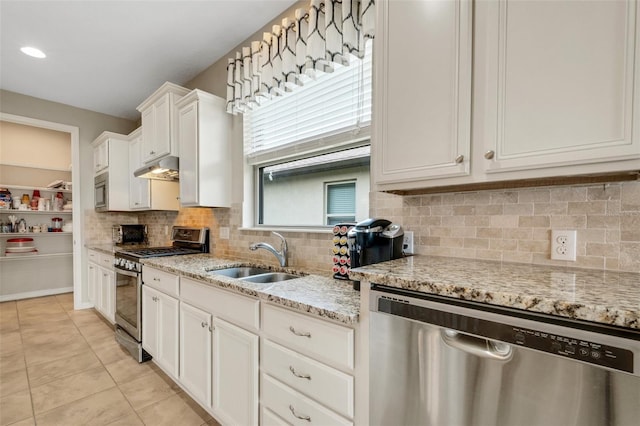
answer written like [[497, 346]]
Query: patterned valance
[[316, 39]]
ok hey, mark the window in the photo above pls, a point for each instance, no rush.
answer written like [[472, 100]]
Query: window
[[341, 202], [305, 145]]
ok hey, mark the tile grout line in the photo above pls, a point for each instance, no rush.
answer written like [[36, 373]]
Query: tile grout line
[[26, 368]]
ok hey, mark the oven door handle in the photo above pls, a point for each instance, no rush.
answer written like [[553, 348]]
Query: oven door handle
[[127, 273]]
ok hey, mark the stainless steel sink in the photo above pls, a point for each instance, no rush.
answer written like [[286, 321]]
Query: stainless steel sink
[[271, 277], [239, 272]]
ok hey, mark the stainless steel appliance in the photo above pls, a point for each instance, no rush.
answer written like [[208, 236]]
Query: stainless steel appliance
[[129, 283], [129, 234], [165, 168], [441, 361], [101, 192]]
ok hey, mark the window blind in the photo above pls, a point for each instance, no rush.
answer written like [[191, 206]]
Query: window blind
[[341, 198], [332, 110]]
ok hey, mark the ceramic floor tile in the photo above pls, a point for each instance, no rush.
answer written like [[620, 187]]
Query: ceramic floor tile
[[146, 390], [13, 382], [54, 351], [15, 407], [124, 369], [109, 351], [8, 325], [38, 320], [10, 342], [84, 316], [97, 332], [12, 361], [8, 306], [169, 412], [31, 421], [46, 372], [69, 389], [65, 301], [35, 301], [130, 419], [98, 409], [34, 338]]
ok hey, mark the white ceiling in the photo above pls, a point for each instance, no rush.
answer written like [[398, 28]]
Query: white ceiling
[[109, 55]]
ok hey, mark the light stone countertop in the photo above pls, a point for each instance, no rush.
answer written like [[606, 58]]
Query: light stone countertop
[[600, 296], [322, 296]]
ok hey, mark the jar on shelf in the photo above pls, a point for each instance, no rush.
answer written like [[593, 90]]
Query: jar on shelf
[[56, 224]]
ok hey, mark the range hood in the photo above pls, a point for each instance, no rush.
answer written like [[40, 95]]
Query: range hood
[[165, 168]]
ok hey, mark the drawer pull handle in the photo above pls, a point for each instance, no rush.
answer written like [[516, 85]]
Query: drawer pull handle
[[301, 376], [293, 411], [156, 279], [297, 333]]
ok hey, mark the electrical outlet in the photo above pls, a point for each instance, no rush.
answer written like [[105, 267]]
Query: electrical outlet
[[563, 244], [407, 242]]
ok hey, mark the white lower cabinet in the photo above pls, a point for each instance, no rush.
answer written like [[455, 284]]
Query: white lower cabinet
[[195, 352], [101, 284], [269, 418], [306, 367], [235, 374], [160, 328]]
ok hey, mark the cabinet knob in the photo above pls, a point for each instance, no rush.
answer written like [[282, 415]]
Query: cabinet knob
[[459, 159], [152, 152], [204, 324], [299, 333], [293, 411], [489, 154]]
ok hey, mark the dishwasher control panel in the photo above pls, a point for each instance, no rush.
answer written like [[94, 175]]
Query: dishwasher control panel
[[580, 350], [499, 327]]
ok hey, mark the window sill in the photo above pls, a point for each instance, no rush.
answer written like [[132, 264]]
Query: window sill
[[309, 230]]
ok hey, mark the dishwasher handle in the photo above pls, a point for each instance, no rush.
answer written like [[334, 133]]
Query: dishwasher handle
[[483, 348]]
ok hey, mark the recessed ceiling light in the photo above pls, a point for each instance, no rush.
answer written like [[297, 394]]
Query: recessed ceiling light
[[32, 51]]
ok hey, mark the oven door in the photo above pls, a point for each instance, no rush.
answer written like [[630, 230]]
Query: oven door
[[128, 302]]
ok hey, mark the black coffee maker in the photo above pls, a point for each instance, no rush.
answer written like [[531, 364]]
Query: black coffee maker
[[372, 241]]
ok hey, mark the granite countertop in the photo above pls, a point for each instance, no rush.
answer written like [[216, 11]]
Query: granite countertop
[[600, 296], [110, 248], [322, 296]]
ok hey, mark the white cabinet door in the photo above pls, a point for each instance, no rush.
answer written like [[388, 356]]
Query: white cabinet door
[[139, 188], [188, 137], [422, 84], [107, 294], [195, 352], [148, 118], [92, 287], [561, 77], [162, 142], [101, 157], [235, 374], [150, 320], [168, 350]]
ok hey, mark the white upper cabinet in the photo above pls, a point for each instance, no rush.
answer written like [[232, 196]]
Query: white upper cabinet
[[159, 134], [559, 83], [205, 154], [100, 156], [148, 194], [555, 91], [422, 90]]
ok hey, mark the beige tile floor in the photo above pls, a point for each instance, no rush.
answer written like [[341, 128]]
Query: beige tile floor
[[63, 367]]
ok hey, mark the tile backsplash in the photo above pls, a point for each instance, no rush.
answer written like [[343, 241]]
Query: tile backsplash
[[511, 225], [514, 225]]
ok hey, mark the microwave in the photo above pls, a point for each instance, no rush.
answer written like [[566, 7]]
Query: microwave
[[101, 192]]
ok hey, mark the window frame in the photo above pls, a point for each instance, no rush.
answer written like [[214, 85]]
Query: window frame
[[328, 215]]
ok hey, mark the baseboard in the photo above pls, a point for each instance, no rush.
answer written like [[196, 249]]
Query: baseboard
[[32, 294]]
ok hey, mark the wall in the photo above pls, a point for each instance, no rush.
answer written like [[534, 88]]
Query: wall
[[35, 147], [90, 125], [515, 225]]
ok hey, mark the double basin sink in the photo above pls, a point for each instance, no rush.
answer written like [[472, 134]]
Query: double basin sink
[[254, 274]]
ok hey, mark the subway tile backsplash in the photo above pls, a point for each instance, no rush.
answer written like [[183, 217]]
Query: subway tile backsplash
[[511, 225], [514, 225]]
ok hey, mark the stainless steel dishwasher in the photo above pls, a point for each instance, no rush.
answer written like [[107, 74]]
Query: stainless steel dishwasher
[[441, 361]]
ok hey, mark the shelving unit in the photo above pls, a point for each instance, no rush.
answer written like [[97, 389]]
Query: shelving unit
[[49, 271]]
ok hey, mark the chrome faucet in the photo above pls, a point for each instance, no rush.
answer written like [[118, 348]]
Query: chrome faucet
[[280, 255]]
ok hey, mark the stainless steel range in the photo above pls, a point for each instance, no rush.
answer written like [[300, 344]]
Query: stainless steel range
[[129, 283]]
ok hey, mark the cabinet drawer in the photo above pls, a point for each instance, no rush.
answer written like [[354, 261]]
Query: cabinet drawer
[[319, 339], [324, 384], [161, 280], [269, 418], [237, 309], [294, 407], [106, 260], [94, 256]]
